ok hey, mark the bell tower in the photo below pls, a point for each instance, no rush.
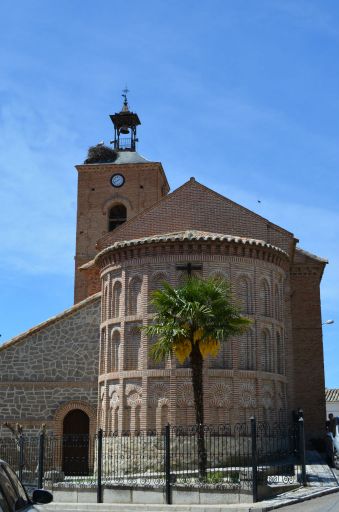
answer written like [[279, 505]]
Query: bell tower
[[114, 185], [125, 127]]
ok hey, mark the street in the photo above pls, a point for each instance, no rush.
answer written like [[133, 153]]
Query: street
[[329, 503]]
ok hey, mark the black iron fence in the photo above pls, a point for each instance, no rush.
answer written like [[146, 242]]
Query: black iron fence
[[250, 458]]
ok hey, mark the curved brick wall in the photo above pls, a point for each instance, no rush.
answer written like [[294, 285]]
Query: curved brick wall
[[248, 376]]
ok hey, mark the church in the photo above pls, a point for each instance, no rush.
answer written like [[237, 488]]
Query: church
[[89, 366]]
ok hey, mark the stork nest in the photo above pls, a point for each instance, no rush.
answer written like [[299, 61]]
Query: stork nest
[[100, 154]]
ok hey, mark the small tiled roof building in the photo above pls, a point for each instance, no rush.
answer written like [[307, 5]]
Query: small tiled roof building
[[131, 235], [332, 401]]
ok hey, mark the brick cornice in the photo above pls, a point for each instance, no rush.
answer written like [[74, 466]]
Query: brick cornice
[[201, 249]]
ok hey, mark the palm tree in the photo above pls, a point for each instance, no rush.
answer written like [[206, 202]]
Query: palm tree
[[191, 321]]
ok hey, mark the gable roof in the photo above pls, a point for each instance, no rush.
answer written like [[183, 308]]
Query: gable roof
[[67, 312], [194, 206]]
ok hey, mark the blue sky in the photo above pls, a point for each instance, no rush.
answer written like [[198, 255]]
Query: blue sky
[[241, 94]]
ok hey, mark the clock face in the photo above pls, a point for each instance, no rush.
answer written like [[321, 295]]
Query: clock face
[[117, 180]]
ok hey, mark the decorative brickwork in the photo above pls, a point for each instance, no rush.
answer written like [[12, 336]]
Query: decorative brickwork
[[244, 377], [64, 409]]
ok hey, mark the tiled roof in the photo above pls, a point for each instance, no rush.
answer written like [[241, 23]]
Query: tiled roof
[[332, 395], [191, 235]]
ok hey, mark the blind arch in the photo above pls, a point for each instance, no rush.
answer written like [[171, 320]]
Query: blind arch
[[244, 293], [264, 297]]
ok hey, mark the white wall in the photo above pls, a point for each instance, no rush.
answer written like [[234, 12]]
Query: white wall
[[332, 407]]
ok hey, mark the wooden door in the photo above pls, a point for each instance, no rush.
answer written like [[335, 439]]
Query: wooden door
[[75, 443]]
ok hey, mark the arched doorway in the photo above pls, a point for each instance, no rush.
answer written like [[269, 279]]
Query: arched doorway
[[75, 443]]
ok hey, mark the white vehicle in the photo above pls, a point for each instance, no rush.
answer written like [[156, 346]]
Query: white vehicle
[[332, 444]]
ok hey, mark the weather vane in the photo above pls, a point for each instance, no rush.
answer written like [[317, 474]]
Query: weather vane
[[125, 92]]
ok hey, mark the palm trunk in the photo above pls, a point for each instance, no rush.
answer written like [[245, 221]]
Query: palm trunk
[[197, 381]]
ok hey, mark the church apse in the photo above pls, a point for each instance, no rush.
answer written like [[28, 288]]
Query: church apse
[[245, 378]]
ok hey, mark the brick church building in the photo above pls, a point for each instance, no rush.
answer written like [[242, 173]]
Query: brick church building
[[89, 365]]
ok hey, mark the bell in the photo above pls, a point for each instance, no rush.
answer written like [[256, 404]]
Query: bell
[[124, 130]]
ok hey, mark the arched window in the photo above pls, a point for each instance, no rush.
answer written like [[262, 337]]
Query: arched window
[[264, 295], [244, 294], [137, 419], [266, 349], [133, 353], [280, 354], [113, 351], [117, 216], [164, 416], [115, 420], [104, 303], [102, 351], [155, 284], [116, 299], [151, 364], [273, 353], [247, 354], [277, 303], [134, 296]]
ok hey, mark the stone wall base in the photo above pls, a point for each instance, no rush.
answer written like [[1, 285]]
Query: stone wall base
[[155, 496]]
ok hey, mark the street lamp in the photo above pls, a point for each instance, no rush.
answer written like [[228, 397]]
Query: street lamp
[[328, 322]]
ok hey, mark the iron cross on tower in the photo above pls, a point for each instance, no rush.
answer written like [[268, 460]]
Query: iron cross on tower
[[124, 94], [188, 267]]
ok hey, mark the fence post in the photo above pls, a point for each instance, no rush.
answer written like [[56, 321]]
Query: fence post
[[21, 455], [302, 450], [254, 459], [41, 459], [99, 467], [168, 464]]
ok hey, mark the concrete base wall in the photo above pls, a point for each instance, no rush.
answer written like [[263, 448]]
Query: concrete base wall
[[156, 496]]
